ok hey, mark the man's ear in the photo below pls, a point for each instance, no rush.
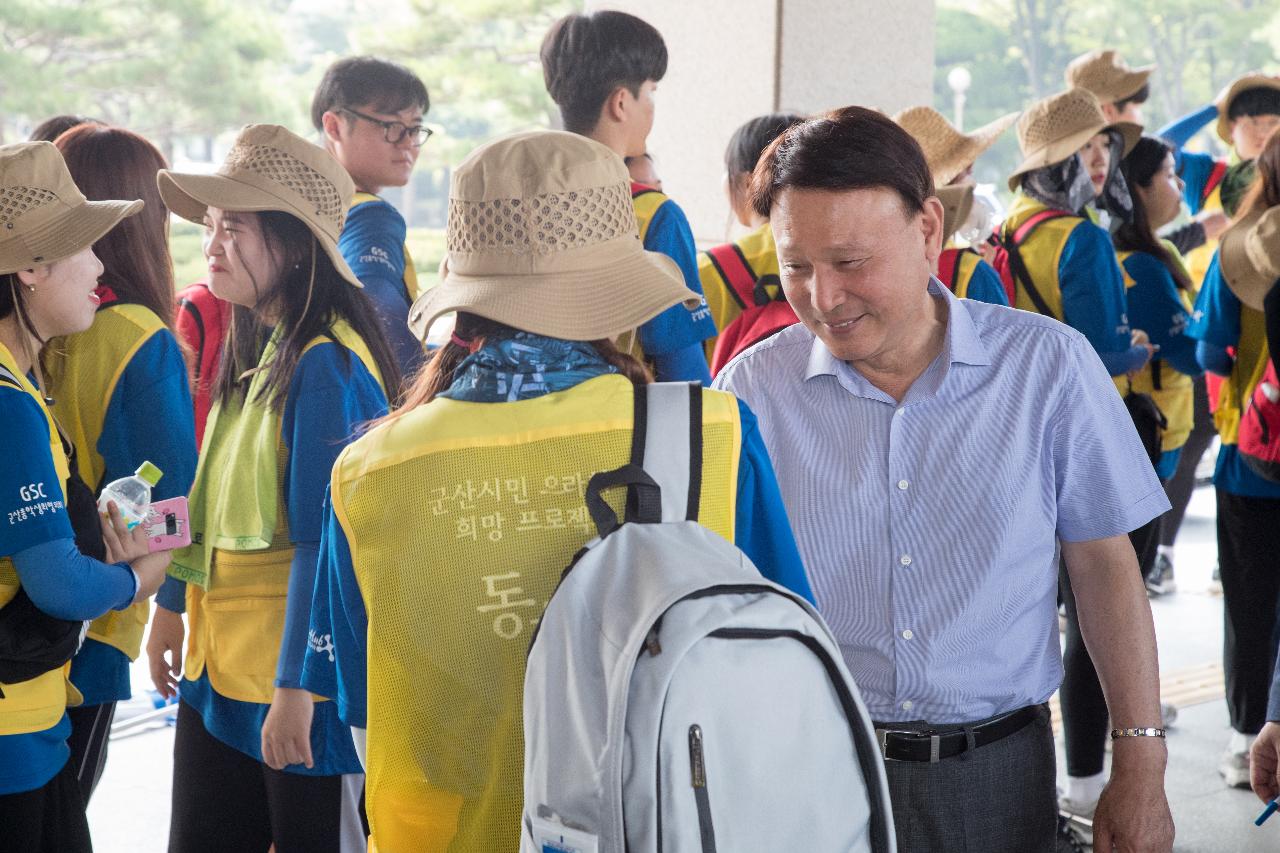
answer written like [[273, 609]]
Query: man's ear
[[332, 124], [931, 224], [615, 106], [1109, 112]]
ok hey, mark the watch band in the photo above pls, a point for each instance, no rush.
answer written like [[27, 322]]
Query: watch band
[[1139, 732]]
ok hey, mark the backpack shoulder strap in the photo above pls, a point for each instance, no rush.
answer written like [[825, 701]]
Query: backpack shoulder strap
[[7, 378], [732, 266], [1216, 174], [1019, 268]]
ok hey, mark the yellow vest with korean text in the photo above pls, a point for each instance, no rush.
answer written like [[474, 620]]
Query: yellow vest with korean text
[[237, 623], [410, 273], [1251, 362], [460, 518], [82, 384], [1172, 390], [38, 703]]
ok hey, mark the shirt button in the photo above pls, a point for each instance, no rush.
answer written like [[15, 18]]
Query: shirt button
[[903, 485], [907, 634], [898, 413], [905, 559], [906, 706]]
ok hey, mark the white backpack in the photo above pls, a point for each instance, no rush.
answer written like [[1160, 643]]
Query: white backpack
[[675, 700]]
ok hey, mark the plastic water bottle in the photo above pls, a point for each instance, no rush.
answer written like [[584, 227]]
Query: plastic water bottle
[[132, 495]]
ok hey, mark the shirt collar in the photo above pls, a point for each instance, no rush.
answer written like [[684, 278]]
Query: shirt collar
[[961, 346]]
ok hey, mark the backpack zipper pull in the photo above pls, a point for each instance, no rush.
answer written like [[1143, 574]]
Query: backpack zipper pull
[[695, 757]]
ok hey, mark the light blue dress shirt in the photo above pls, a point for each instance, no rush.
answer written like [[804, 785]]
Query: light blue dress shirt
[[929, 527]]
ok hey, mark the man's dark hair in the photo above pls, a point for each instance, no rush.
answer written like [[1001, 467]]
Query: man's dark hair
[[585, 58], [1138, 97], [751, 139], [51, 128], [366, 81], [852, 148], [1258, 101]]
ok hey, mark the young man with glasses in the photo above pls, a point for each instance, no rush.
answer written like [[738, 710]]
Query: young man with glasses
[[371, 113]]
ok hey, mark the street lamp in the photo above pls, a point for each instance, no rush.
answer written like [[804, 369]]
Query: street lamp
[[959, 79]]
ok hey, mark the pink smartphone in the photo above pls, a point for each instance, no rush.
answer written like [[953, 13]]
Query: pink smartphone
[[168, 525]]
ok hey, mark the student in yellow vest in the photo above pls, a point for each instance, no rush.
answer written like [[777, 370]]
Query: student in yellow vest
[[951, 156], [643, 171], [303, 368], [371, 114], [1159, 298], [48, 280], [451, 522], [1230, 316], [121, 393], [1070, 263], [602, 70], [1245, 113], [744, 273]]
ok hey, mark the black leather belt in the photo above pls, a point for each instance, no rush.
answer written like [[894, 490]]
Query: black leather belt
[[933, 746]]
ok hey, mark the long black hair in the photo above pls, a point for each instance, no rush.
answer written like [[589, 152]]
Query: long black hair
[[304, 308], [752, 137], [1139, 167]]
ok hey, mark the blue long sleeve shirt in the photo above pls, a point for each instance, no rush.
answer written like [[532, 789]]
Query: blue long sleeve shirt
[[673, 338]]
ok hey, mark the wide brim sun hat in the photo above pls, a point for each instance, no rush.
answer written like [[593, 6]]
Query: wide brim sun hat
[[44, 218], [957, 203], [1053, 129], [270, 168], [1252, 80], [949, 151], [1250, 256], [1107, 76], [542, 236]]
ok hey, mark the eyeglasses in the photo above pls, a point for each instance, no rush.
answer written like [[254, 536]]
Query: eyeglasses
[[395, 131]]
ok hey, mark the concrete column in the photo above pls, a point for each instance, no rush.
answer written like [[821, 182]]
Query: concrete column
[[735, 59]]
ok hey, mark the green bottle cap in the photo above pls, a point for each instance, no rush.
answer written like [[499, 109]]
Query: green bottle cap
[[150, 473]]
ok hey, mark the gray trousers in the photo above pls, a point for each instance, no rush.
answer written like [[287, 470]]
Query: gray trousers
[[1001, 798]]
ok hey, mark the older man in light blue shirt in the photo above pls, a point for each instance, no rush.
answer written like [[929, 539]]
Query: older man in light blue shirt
[[932, 452]]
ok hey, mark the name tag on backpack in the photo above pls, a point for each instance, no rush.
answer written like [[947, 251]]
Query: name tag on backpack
[[551, 836]]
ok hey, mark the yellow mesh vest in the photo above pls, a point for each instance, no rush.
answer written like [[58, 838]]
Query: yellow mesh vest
[[236, 625], [1041, 252], [1251, 362], [1174, 395], [83, 382], [760, 254], [410, 273], [461, 517], [964, 273], [38, 703]]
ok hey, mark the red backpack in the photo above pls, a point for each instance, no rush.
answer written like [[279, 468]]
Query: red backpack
[[1259, 439], [766, 313], [1008, 261], [202, 323]]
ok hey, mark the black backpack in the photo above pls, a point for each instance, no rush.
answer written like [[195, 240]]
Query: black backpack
[[31, 641]]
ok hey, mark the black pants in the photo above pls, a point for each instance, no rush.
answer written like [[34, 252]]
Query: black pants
[[1249, 556], [47, 820], [90, 732], [1084, 708], [1000, 798], [1183, 482], [225, 800]]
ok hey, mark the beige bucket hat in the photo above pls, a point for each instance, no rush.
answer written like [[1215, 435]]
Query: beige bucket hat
[[542, 236], [1252, 80], [1106, 75], [948, 151], [271, 168], [43, 215], [1053, 129], [1251, 256], [957, 203]]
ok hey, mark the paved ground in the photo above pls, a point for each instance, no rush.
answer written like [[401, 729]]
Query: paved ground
[[130, 812]]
